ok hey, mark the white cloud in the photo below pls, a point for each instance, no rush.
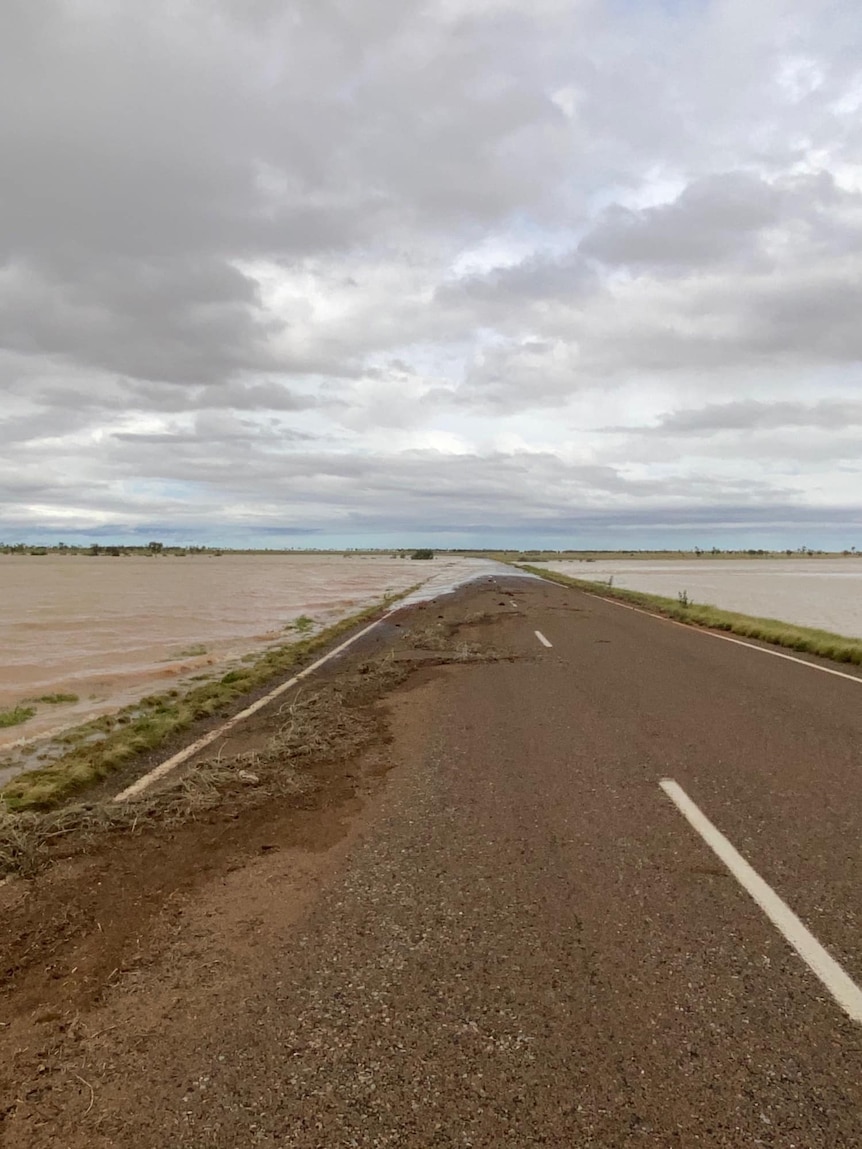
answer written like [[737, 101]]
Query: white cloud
[[442, 264]]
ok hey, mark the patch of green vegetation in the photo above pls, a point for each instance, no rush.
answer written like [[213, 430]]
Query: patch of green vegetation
[[96, 749], [56, 699], [422, 553], [15, 716], [301, 625], [804, 639]]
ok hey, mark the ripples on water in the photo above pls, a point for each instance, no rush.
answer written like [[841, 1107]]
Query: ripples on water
[[113, 629]]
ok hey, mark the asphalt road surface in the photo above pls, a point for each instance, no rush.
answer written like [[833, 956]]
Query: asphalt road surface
[[527, 941]]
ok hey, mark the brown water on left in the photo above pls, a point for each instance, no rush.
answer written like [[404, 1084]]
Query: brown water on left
[[111, 630]]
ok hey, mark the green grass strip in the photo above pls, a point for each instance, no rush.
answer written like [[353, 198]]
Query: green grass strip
[[804, 639], [98, 748]]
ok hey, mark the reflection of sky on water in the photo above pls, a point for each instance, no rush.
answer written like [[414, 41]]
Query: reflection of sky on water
[[823, 593]]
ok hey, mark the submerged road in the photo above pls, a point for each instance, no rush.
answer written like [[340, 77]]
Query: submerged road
[[610, 897]]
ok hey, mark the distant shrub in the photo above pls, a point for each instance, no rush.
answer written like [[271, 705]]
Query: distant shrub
[[422, 554]]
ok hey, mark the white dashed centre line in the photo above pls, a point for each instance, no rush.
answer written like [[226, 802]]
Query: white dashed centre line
[[542, 639], [819, 961]]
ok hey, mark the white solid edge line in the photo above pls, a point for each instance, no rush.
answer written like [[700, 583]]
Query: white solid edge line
[[183, 755], [819, 961], [726, 638], [542, 638]]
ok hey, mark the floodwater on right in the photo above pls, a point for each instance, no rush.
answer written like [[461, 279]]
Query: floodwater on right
[[821, 592]]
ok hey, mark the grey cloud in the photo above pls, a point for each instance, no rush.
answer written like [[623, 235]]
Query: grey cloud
[[54, 423], [214, 427], [232, 134], [802, 318], [528, 483], [189, 322], [269, 395], [155, 154], [538, 278], [419, 487], [817, 456], [792, 296], [127, 395], [531, 373], [347, 157], [713, 219], [211, 481], [753, 415], [814, 319]]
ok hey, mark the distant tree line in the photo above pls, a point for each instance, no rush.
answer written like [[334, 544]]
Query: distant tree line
[[112, 550], [156, 548]]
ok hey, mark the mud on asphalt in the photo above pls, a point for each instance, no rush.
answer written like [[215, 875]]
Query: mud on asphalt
[[96, 893]]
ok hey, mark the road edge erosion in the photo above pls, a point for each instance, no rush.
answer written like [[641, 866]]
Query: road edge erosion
[[95, 750], [802, 639], [296, 748], [134, 739]]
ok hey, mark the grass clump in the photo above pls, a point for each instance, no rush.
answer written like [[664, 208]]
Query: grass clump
[[15, 716], [301, 625], [803, 639], [98, 748], [56, 699]]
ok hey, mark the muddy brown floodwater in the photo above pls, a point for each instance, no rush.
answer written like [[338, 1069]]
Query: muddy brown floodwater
[[111, 630]]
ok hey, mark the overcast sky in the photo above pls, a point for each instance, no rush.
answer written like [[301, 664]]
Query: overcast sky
[[466, 272]]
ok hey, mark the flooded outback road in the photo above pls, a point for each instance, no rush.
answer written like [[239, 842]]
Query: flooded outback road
[[572, 876]]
